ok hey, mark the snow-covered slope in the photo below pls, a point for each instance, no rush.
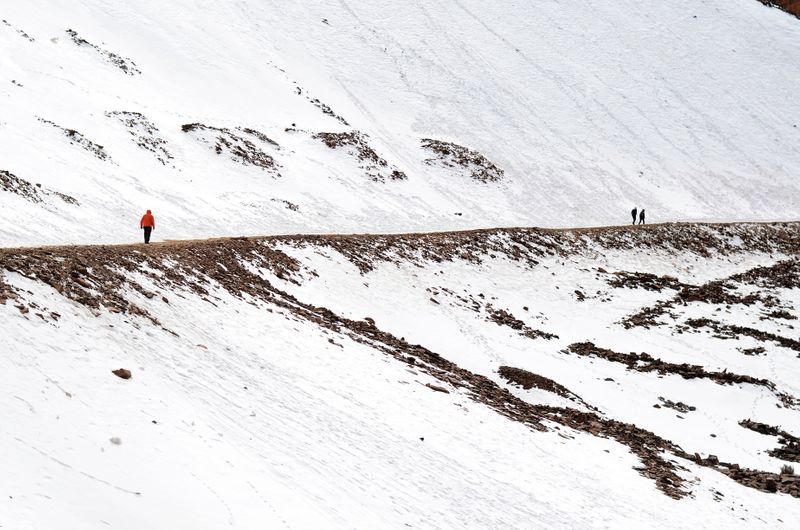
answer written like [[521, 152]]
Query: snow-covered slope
[[572, 113], [372, 381]]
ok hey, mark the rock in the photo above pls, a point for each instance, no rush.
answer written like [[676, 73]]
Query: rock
[[123, 373], [771, 486], [437, 388], [713, 460], [116, 440]]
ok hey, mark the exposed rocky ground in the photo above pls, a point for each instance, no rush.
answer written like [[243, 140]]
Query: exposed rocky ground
[[789, 445], [76, 138], [790, 6], [103, 278], [21, 33], [238, 147], [144, 133], [449, 154], [35, 193], [123, 63], [356, 144]]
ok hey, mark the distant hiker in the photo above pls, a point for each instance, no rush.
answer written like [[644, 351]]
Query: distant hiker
[[633, 214], [148, 223], [641, 217]]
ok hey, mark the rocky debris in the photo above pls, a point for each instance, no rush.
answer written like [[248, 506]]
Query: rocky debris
[[261, 136], [789, 449], [643, 280], [782, 275], [116, 440], [764, 481], [122, 373], [452, 155], [528, 380], [231, 265], [32, 192], [643, 362], [679, 406], [649, 316], [20, 32], [529, 245], [123, 63], [319, 104], [355, 142], [790, 6], [758, 350], [239, 149], [730, 331], [779, 314], [76, 138], [437, 388], [715, 292], [501, 317], [176, 266], [288, 204], [144, 133]]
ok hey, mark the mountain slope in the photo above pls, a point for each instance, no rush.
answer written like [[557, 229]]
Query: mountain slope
[[456, 379], [685, 109]]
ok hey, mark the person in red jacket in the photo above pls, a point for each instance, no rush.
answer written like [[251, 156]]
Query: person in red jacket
[[148, 223]]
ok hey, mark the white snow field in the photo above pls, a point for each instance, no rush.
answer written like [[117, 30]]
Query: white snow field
[[688, 109], [277, 383]]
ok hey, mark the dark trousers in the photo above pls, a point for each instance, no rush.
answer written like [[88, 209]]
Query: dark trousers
[[641, 220], [147, 230]]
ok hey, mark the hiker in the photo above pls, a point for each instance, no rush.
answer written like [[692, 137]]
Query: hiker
[[148, 223], [641, 217], [633, 214]]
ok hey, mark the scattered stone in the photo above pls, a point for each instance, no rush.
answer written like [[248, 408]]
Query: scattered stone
[[528, 380], [144, 133], [448, 154], [122, 373], [643, 362], [355, 142], [76, 138], [35, 193], [123, 63], [239, 148]]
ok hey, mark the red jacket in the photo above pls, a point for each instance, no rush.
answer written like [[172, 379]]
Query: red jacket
[[147, 220]]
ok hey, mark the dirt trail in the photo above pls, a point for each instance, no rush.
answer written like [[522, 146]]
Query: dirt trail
[[578, 231]]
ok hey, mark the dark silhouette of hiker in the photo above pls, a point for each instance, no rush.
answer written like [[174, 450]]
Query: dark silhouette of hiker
[[148, 224], [633, 214], [641, 217]]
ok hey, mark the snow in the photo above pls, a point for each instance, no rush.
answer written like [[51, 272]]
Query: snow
[[682, 108], [244, 415]]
